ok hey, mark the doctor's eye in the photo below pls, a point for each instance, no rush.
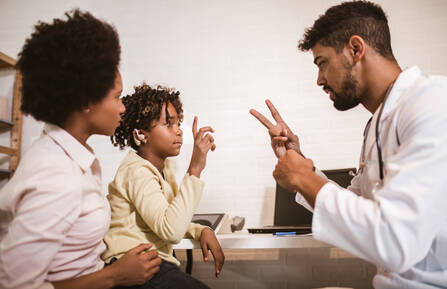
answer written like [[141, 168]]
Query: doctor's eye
[[321, 64]]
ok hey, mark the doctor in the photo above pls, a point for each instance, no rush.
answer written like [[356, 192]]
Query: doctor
[[394, 212]]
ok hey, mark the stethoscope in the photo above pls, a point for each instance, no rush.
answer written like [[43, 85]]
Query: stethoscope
[[378, 142]]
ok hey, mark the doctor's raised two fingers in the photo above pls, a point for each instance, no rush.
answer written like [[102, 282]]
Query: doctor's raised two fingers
[[262, 119], [276, 116], [278, 129]]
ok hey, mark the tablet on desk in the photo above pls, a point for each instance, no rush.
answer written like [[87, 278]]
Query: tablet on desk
[[212, 220]]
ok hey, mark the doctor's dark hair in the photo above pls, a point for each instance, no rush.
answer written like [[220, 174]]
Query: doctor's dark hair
[[143, 107], [336, 26], [68, 64]]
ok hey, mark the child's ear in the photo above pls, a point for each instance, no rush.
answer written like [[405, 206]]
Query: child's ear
[[138, 137]]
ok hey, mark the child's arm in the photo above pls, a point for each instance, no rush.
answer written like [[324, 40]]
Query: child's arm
[[208, 242], [168, 220]]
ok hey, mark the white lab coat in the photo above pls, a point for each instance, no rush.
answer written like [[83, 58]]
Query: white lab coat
[[402, 226]]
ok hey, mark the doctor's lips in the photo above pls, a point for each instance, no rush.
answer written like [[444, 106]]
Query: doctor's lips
[[329, 91]]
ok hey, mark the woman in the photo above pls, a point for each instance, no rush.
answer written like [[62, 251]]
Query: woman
[[55, 213]]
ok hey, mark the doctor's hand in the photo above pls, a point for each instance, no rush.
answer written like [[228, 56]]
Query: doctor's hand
[[208, 241], [296, 173], [281, 136]]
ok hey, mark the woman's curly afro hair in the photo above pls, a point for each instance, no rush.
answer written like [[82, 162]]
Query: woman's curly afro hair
[[68, 64], [143, 107]]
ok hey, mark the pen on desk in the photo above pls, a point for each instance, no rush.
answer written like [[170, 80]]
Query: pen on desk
[[285, 233]]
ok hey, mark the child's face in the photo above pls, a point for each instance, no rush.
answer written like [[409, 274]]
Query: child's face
[[165, 138]]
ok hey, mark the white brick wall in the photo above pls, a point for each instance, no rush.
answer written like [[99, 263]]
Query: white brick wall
[[227, 57]]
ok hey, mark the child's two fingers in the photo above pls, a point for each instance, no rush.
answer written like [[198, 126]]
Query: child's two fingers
[[209, 142], [194, 126], [202, 131], [208, 138]]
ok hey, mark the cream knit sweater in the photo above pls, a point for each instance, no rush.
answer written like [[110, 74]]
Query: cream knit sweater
[[145, 207]]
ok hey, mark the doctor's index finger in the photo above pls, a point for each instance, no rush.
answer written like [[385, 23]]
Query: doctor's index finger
[[261, 118], [274, 112]]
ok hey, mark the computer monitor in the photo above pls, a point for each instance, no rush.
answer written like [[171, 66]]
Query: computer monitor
[[290, 213]]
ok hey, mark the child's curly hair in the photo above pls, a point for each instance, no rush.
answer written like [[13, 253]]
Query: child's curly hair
[[142, 108]]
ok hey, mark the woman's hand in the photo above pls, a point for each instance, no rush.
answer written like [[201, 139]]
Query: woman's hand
[[281, 136], [203, 142], [208, 241], [137, 266]]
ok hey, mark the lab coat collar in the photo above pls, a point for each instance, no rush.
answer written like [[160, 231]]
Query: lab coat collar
[[405, 79], [83, 156]]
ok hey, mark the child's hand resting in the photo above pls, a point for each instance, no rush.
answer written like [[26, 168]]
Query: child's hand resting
[[203, 142], [209, 242]]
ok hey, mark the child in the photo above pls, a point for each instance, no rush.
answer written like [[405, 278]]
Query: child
[[146, 203]]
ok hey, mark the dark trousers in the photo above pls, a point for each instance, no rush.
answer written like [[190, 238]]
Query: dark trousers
[[170, 277]]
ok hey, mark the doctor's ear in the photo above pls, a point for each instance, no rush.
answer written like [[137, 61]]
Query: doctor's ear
[[357, 47], [138, 137]]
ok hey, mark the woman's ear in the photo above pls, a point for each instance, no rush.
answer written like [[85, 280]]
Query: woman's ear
[[139, 137]]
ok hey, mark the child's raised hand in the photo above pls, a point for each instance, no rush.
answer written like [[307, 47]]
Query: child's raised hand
[[203, 142]]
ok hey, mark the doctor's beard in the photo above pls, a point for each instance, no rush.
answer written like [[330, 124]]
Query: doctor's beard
[[347, 99]]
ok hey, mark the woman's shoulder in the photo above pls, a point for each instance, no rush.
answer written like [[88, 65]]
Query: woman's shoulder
[[46, 173], [44, 156]]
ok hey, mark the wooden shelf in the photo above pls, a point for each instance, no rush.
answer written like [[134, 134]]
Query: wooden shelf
[[14, 126], [5, 125], [6, 61], [8, 151], [4, 174]]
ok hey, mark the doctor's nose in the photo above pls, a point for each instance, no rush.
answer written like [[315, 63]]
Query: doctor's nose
[[321, 80]]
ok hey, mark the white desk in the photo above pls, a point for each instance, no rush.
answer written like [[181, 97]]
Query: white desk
[[244, 240]]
